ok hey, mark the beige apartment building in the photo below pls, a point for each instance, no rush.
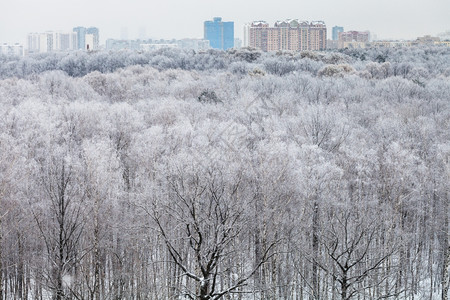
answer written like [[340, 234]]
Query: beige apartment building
[[291, 35], [353, 39]]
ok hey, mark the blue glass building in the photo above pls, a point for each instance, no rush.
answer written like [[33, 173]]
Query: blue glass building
[[336, 30], [219, 34], [81, 33]]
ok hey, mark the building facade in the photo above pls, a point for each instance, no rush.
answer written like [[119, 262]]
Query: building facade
[[291, 35], [113, 44], [336, 31], [442, 43], [193, 44], [81, 33], [353, 39], [51, 41], [390, 44], [151, 47], [64, 41], [96, 37], [147, 45], [354, 36], [219, 34], [237, 43], [246, 41], [89, 42], [91, 33], [427, 40], [33, 43], [11, 50]]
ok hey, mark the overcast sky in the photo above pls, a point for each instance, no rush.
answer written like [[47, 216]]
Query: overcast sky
[[397, 19]]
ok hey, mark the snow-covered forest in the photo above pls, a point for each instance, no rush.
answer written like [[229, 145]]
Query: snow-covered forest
[[225, 175]]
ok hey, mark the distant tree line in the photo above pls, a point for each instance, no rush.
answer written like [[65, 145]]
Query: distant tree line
[[379, 62]]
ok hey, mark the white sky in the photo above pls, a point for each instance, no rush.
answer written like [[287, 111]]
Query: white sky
[[398, 19]]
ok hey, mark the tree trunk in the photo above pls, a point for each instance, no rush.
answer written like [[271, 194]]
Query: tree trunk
[[1, 259], [204, 289], [61, 241], [96, 252], [446, 253], [315, 249], [27, 283], [20, 272], [259, 276], [445, 274], [344, 287]]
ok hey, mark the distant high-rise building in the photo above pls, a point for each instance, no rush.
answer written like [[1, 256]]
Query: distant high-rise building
[[45, 42], [353, 39], [89, 40], [427, 39], [51, 41], [65, 41], [81, 32], [33, 42], [219, 34], [13, 50], [354, 36], [246, 42], [237, 43], [287, 35], [96, 38], [336, 30]]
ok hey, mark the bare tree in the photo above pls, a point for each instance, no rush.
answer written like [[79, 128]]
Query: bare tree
[[101, 183], [61, 225], [209, 216], [69, 225], [352, 254], [446, 253], [8, 162]]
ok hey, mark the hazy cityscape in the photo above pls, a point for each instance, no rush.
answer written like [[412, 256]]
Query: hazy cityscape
[[289, 34]]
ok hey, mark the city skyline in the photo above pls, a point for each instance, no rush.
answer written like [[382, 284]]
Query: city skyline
[[400, 20]]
